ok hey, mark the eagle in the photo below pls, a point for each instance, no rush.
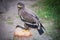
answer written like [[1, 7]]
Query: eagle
[[29, 18]]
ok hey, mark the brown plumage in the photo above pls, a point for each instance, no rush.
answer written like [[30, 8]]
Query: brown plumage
[[29, 18]]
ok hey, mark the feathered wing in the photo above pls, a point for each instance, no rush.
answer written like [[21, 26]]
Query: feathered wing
[[40, 27], [30, 19]]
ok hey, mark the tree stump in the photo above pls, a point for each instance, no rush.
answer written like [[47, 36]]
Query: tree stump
[[22, 34]]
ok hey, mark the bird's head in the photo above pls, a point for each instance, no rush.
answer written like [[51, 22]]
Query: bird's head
[[20, 5]]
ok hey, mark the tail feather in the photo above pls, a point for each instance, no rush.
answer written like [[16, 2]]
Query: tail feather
[[42, 26], [40, 31]]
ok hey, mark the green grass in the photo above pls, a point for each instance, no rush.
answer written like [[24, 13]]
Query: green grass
[[9, 21], [49, 10], [17, 17]]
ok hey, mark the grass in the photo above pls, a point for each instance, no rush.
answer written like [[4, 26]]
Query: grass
[[49, 10], [9, 21]]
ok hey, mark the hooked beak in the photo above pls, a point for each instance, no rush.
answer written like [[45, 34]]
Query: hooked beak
[[19, 6]]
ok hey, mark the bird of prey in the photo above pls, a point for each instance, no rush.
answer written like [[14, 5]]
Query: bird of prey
[[29, 18]]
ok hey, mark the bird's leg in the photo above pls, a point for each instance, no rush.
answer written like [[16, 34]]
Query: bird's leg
[[26, 27]]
